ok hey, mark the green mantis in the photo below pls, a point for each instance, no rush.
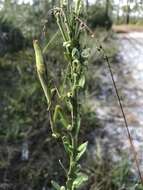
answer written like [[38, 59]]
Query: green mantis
[[65, 112], [41, 70], [58, 113]]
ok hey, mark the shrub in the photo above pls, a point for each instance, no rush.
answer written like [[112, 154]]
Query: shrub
[[11, 38], [65, 112], [97, 17]]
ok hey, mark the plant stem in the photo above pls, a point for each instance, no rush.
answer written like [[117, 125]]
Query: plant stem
[[69, 28], [73, 163]]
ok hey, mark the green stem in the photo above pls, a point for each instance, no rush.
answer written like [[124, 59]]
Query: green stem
[[45, 89], [73, 163], [60, 25]]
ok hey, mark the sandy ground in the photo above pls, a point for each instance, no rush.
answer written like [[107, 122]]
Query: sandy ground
[[127, 28]]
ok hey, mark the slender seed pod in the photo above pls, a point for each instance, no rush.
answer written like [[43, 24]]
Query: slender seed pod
[[60, 25], [78, 5]]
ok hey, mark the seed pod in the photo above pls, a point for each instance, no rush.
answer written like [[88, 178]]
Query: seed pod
[[61, 25], [78, 5]]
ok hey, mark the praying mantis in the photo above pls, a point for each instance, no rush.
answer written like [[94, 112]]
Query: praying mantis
[[65, 116], [65, 119]]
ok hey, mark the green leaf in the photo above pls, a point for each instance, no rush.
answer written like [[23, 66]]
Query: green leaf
[[78, 124], [56, 185], [67, 56], [67, 145], [139, 187], [81, 150], [75, 61], [75, 53], [82, 81], [81, 178], [60, 115]]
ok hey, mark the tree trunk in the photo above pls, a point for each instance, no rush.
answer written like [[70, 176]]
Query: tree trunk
[[128, 12], [87, 5], [118, 13], [107, 8]]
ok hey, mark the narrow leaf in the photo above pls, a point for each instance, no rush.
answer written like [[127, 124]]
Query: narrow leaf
[[81, 178], [75, 53], [66, 144], [82, 81], [60, 115], [81, 150], [55, 185]]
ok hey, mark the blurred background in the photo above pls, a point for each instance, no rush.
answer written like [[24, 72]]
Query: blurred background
[[28, 154]]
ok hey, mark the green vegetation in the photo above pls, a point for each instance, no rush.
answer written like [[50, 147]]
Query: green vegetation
[[106, 175], [99, 18], [11, 38], [29, 155], [65, 119]]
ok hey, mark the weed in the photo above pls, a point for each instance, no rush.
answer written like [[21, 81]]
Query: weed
[[65, 114]]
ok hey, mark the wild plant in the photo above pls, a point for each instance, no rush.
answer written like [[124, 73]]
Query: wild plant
[[65, 114]]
